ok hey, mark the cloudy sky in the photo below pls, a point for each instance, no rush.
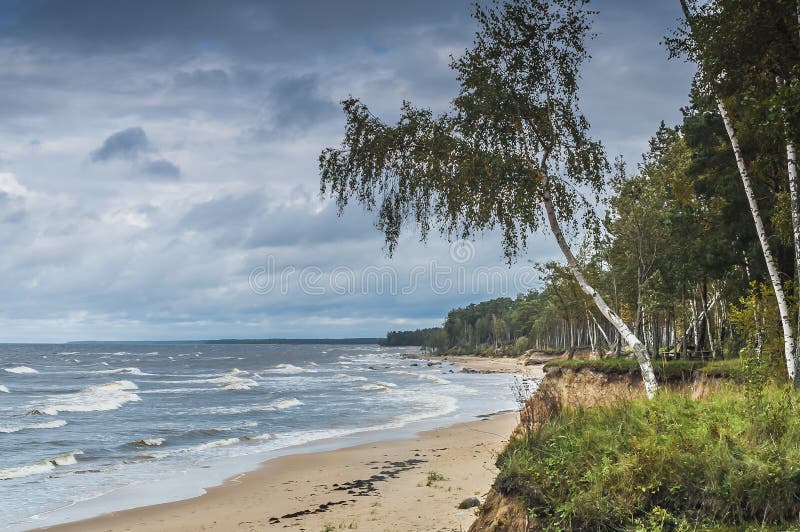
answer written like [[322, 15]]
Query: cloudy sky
[[158, 162]]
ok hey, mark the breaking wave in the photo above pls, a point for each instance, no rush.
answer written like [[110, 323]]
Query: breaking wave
[[349, 378], [108, 396], [4, 389], [287, 369], [280, 404], [7, 429], [149, 442], [39, 468], [372, 387], [21, 370], [128, 371], [232, 382]]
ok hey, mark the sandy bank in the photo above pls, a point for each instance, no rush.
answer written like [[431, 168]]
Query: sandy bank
[[490, 364], [373, 487]]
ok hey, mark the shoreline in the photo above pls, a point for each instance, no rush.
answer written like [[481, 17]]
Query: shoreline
[[482, 364], [195, 485], [381, 485]]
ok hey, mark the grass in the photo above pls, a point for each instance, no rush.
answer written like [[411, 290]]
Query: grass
[[672, 370], [729, 462], [434, 477]]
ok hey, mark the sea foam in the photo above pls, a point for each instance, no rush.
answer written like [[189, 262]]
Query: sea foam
[[287, 369], [7, 429], [21, 370], [108, 396], [39, 468], [129, 371]]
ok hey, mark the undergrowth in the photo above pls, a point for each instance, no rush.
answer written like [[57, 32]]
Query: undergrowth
[[731, 461], [672, 370]]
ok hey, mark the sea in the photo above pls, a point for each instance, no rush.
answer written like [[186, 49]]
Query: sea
[[86, 429]]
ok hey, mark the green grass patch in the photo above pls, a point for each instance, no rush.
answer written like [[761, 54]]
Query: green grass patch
[[672, 370], [731, 461], [434, 477]]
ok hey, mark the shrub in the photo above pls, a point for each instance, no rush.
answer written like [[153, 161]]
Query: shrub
[[434, 477], [671, 462], [521, 345]]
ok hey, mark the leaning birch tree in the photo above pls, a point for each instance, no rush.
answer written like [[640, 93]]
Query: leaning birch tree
[[737, 53], [513, 152]]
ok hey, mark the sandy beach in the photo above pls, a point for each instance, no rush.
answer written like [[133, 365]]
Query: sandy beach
[[373, 487], [494, 365]]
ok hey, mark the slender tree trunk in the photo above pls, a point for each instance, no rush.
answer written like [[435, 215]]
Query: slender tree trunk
[[777, 285], [791, 156], [639, 350]]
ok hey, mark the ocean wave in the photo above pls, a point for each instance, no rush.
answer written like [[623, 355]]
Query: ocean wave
[[232, 382], [433, 378], [421, 376], [288, 369], [197, 448], [129, 371], [372, 387], [261, 437], [21, 370], [436, 405], [349, 378], [69, 353], [4, 389], [148, 442], [7, 429], [279, 404], [108, 396], [40, 467], [282, 404], [212, 445], [173, 390]]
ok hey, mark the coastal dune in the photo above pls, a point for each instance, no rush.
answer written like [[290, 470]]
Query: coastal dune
[[413, 484]]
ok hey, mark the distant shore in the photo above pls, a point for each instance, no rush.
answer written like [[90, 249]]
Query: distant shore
[[409, 484]]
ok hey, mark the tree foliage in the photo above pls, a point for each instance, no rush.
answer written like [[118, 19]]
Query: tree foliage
[[514, 129]]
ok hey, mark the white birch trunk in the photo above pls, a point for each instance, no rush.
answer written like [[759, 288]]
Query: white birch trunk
[[794, 201], [772, 268], [639, 350], [794, 196]]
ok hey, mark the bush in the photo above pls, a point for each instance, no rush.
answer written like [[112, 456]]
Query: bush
[[671, 462], [672, 370], [521, 345]]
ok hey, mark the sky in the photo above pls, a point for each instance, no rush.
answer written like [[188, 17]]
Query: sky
[[158, 163]]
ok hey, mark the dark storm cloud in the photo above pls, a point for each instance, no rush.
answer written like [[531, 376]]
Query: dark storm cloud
[[248, 219], [162, 168], [294, 105], [244, 94], [224, 212], [286, 226], [213, 79], [126, 144], [248, 27]]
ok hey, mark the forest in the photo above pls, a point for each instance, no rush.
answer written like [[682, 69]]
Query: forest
[[695, 248], [677, 257]]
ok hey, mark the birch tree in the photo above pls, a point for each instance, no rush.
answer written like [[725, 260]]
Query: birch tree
[[513, 152], [719, 40]]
